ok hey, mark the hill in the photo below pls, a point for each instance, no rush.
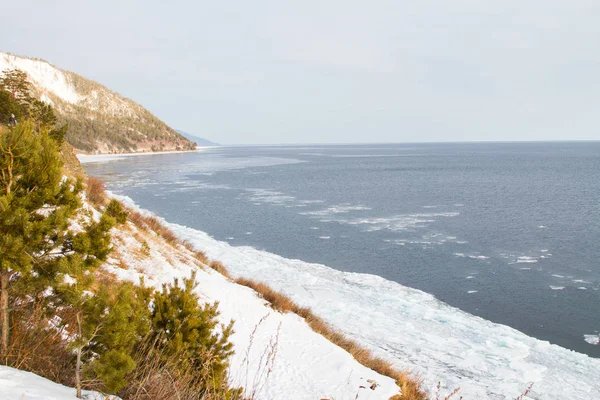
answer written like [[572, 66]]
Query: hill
[[198, 140], [100, 120]]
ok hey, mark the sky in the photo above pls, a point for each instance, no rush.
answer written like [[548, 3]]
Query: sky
[[337, 71]]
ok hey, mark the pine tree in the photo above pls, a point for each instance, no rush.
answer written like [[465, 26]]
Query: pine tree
[[117, 318], [188, 330], [14, 81], [35, 207]]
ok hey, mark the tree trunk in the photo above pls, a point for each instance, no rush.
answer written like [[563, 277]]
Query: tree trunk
[[78, 363], [4, 278]]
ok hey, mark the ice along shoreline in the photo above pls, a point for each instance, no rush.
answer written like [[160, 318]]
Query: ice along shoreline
[[413, 328]]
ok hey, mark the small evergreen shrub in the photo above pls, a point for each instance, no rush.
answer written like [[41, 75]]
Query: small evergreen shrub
[[115, 210]]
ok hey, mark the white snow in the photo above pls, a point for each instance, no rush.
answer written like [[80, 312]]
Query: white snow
[[592, 339], [20, 385], [49, 81], [42, 75], [304, 365], [409, 327]]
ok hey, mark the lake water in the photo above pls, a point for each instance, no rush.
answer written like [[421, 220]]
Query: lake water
[[507, 232]]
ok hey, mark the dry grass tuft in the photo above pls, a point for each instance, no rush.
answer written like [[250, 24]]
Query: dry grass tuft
[[39, 349], [150, 223], [161, 376], [278, 301], [136, 219], [411, 387], [96, 191], [198, 254], [220, 268]]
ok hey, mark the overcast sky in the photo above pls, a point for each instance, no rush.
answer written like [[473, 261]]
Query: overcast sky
[[317, 71]]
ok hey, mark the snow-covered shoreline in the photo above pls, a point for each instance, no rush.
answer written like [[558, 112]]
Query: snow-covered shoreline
[[414, 330], [277, 355], [89, 158]]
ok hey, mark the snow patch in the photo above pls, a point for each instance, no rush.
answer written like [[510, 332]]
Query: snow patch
[[21, 385]]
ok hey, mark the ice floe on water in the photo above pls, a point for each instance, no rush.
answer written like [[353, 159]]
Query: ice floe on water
[[336, 209], [395, 223], [269, 196], [474, 256], [530, 257], [592, 339], [478, 257], [526, 259], [581, 281]]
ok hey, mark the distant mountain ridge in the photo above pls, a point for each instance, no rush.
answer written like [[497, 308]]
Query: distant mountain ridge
[[100, 120], [199, 141]]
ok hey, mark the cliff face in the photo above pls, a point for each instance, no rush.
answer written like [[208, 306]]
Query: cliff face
[[100, 120]]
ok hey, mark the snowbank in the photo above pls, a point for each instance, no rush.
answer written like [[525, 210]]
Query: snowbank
[[20, 385]]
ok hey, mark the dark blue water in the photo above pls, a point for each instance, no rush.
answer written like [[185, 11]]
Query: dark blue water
[[508, 232]]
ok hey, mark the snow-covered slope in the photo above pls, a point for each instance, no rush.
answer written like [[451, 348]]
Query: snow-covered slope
[[101, 120], [20, 385], [277, 356]]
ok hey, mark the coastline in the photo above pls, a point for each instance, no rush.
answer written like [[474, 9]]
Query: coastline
[[411, 328], [87, 158]]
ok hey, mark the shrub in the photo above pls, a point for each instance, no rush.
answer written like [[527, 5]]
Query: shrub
[[115, 210], [182, 328], [96, 191]]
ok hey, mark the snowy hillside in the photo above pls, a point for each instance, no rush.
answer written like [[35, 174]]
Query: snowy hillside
[[101, 121], [413, 329], [277, 355]]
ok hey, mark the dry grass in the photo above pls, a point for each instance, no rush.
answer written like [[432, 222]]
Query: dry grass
[[150, 223], [38, 349], [158, 376], [220, 268], [136, 219], [411, 386], [198, 254], [96, 191], [153, 224]]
